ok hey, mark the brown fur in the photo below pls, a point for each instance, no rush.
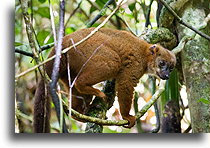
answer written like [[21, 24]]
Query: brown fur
[[119, 55], [41, 110]]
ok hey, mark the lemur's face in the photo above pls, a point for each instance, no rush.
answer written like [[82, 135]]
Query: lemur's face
[[164, 68], [163, 63]]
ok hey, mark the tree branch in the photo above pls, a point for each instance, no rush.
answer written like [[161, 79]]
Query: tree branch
[[181, 44], [78, 6], [152, 87], [183, 22], [56, 67], [24, 52], [31, 35], [29, 28], [44, 47], [147, 23], [85, 118], [52, 23], [100, 14]]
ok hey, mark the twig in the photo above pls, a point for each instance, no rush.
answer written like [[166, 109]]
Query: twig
[[100, 14], [75, 10], [61, 112], [53, 23], [19, 113], [183, 22], [70, 88], [154, 98], [76, 44], [158, 11], [188, 129], [126, 23], [112, 21], [56, 65], [136, 109], [153, 89], [147, 23], [24, 52], [29, 28], [181, 44], [157, 128], [44, 47], [94, 52], [31, 35]]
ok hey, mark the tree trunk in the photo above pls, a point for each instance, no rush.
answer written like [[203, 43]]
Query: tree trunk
[[195, 62]]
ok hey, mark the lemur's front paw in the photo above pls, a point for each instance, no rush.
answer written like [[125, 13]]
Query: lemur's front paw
[[131, 121]]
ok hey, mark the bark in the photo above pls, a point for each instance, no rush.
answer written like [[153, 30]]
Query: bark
[[99, 107], [195, 63]]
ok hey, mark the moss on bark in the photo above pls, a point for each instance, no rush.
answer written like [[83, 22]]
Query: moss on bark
[[195, 62]]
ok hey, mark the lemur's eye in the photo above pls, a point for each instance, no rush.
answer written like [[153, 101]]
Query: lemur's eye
[[162, 63]]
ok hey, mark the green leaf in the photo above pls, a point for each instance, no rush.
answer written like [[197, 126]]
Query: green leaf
[[69, 30], [44, 12], [204, 101], [42, 1], [101, 3], [41, 36], [18, 44], [92, 9], [132, 7]]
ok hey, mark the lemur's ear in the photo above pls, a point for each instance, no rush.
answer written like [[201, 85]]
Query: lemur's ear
[[153, 49]]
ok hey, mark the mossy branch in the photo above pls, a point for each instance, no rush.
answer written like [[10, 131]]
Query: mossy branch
[[29, 29], [154, 98], [181, 44], [181, 21]]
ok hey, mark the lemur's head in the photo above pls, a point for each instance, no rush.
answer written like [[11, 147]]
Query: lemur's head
[[162, 62]]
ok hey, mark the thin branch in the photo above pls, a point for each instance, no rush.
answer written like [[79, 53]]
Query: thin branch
[[85, 118], [101, 13], [188, 129], [153, 99], [44, 47], [93, 4], [126, 23], [112, 21], [152, 87], [157, 128], [76, 44], [18, 113], [24, 52], [31, 34], [94, 52], [69, 83], [181, 44], [183, 22], [75, 10], [56, 67], [62, 122], [158, 11], [29, 28], [147, 23], [52, 22]]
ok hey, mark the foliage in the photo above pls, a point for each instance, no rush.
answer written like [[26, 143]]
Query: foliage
[[204, 101]]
